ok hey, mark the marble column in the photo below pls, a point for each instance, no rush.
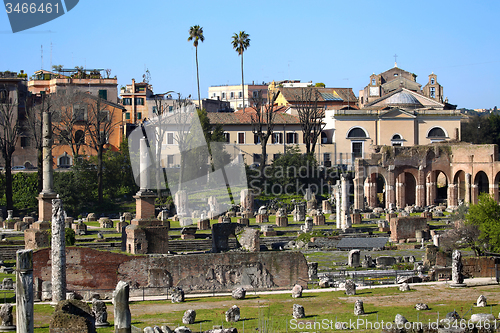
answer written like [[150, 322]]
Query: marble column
[[123, 319], [452, 195], [24, 291], [474, 193], [372, 190], [47, 194], [400, 191], [494, 191], [345, 217], [390, 194], [338, 204], [58, 252]]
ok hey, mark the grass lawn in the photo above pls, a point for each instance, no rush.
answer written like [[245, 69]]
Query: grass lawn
[[274, 311]]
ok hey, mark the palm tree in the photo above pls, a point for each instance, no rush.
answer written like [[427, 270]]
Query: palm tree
[[196, 35], [240, 43]]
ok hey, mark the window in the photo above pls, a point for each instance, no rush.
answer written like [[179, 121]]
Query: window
[[324, 138], [80, 137], [64, 161], [241, 137], [240, 94], [3, 96], [432, 80], [139, 101], [223, 95], [127, 101], [357, 149], [139, 115], [257, 158], [256, 139], [232, 94], [103, 94], [127, 115], [227, 137], [436, 132], [327, 160], [155, 109], [104, 136], [140, 89], [79, 112], [170, 159], [25, 141], [170, 108], [396, 137], [374, 82], [170, 138], [292, 137], [104, 116], [255, 94], [276, 156], [357, 132], [277, 138], [395, 74], [433, 92]]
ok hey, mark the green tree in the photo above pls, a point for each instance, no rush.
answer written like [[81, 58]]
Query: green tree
[[241, 42], [320, 85], [196, 35], [486, 216]]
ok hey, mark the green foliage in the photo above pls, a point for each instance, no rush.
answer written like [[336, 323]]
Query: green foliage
[[69, 237], [24, 188], [320, 85], [306, 237], [403, 266], [486, 216]]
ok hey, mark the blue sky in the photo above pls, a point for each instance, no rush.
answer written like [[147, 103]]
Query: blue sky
[[340, 43]]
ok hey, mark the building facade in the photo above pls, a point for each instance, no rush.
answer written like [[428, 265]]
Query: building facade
[[234, 94]]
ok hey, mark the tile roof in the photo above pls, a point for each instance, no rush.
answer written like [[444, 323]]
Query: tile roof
[[251, 110], [233, 118], [323, 94]]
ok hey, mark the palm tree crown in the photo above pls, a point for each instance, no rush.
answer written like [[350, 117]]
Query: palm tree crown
[[196, 35], [241, 42]]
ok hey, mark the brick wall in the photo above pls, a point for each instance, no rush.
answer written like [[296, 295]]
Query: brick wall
[[88, 268], [404, 227]]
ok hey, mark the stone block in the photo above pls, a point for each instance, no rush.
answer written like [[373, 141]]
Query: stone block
[[105, 223], [356, 218], [282, 221], [319, 220], [249, 239], [28, 219], [203, 224], [244, 221], [262, 218], [36, 239]]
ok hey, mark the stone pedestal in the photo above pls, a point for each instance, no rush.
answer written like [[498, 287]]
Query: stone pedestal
[[68, 221], [247, 215], [80, 228], [326, 207], [204, 224], [356, 218], [262, 218], [319, 220], [244, 221], [427, 215], [120, 225], [145, 208], [282, 221], [45, 206]]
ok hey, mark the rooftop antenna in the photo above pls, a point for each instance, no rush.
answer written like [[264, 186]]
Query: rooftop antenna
[[41, 56], [50, 55], [395, 60]]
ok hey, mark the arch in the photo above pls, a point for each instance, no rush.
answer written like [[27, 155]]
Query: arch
[[324, 137], [79, 137], [482, 182], [397, 136], [459, 180], [441, 187], [437, 132], [375, 193], [496, 193], [410, 188], [64, 161], [356, 132]]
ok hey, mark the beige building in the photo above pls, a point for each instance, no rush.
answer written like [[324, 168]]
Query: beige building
[[234, 94]]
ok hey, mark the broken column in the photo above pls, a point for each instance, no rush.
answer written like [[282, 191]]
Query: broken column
[[246, 200], [338, 203], [24, 291], [123, 320], [456, 270], [58, 252], [45, 197], [181, 203], [345, 217]]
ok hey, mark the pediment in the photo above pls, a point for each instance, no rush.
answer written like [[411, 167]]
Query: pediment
[[397, 113]]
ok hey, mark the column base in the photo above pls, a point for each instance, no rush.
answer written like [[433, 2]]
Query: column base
[[45, 206]]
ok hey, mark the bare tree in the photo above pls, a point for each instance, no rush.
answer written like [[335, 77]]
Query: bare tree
[[310, 116], [35, 106], [9, 133], [263, 123], [69, 117], [99, 127]]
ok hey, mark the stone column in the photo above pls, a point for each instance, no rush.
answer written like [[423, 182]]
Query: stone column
[[181, 203], [338, 204], [58, 253], [123, 319], [420, 188], [144, 161], [452, 195], [474, 193], [400, 191], [47, 194], [359, 193], [456, 270], [390, 194], [467, 188], [246, 200], [494, 191], [24, 291], [372, 190], [346, 221], [431, 188]]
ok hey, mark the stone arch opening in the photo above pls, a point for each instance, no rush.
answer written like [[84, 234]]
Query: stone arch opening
[[496, 193], [375, 190], [441, 187], [482, 183], [410, 184], [459, 180]]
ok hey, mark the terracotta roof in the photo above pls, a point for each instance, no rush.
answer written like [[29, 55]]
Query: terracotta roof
[[345, 94], [251, 110], [225, 118]]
